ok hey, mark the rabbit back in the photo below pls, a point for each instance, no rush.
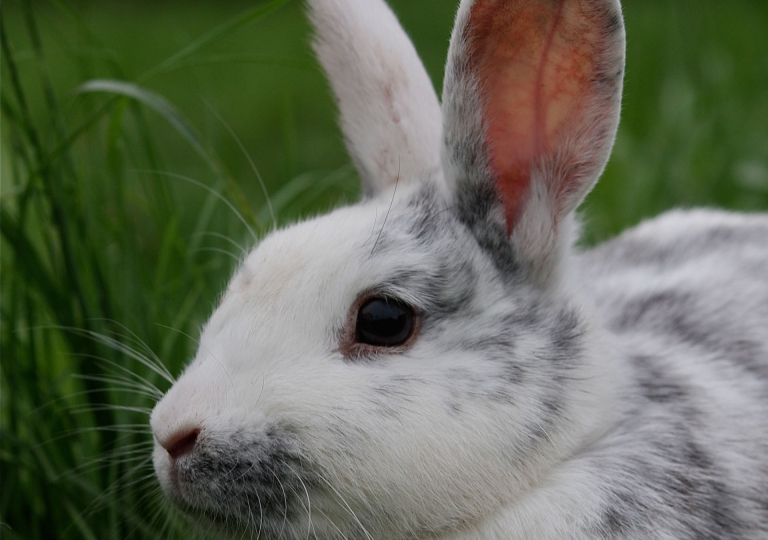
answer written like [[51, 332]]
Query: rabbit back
[[686, 298]]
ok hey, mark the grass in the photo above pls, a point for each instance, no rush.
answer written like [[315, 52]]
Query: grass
[[127, 200]]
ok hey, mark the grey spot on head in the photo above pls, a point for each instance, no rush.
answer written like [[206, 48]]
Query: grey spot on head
[[457, 292], [426, 209], [527, 317], [476, 205], [491, 344], [447, 287]]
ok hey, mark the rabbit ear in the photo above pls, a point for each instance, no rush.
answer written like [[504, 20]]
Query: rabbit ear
[[530, 109], [390, 114]]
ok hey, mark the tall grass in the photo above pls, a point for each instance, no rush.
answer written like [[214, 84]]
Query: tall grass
[[110, 262], [128, 197]]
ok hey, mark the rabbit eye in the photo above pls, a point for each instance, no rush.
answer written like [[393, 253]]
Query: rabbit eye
[[384, 322]]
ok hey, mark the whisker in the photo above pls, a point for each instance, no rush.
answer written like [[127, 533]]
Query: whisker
[[104, 461], [328, 518], [210, 190], [110, 407], [120, 483], [391, 202], [224, 237], [153, 363], [250, 162], [223, 251], [156, 366], [130, 380], [150, 354], [90, 392], [127, 429], [135, 389], [308, 506]]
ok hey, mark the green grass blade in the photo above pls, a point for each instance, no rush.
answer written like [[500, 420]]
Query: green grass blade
[[214, 34], [160, 105]]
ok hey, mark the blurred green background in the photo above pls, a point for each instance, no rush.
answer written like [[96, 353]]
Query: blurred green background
[[126, 205]]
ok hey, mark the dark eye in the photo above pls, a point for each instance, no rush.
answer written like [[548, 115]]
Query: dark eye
[[384, 322]]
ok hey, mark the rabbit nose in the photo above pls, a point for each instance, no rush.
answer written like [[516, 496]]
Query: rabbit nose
[[180, 443]]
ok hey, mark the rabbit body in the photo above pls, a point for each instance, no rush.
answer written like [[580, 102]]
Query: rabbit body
[[685, 298], [540, 392]]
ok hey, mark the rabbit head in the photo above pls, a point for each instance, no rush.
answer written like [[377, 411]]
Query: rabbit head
[[413, 362]]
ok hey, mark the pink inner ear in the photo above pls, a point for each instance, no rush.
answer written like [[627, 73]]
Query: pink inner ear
[[535, 62]]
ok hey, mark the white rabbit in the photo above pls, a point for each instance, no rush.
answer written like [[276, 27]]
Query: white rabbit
[[437, 361]]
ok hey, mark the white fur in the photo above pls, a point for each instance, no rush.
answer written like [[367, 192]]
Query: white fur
[[550, 394]]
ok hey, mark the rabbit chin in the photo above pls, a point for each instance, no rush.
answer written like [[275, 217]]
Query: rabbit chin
[[303, 505], [263, 498]]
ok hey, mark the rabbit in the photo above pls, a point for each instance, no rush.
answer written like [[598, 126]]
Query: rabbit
[[439, 360]]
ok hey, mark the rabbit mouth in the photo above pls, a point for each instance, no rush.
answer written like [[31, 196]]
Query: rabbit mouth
[[241, 483]]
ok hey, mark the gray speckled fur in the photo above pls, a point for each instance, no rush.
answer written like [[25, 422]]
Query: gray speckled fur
[[684, 454], [618, 393], [687, 297], [687, 456], [682, 460]]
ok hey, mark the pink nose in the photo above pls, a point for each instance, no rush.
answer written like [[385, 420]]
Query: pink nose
[[180, 443]]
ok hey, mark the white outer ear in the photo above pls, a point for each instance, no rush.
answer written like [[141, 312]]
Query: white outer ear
[[390, 115]]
